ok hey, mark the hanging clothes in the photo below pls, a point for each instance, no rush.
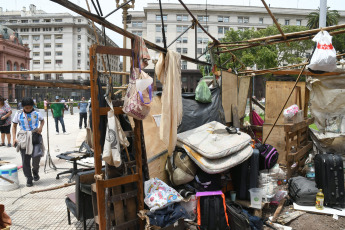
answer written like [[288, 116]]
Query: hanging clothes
[[168, 71]]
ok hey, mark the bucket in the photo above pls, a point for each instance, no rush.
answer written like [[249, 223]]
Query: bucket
[[255, 197], [10, 172]]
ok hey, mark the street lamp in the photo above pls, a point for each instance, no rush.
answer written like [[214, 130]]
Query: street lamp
[[154, 61]]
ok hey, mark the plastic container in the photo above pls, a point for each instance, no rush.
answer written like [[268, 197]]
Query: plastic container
[[310, 172], [10, 172], [256, 197]]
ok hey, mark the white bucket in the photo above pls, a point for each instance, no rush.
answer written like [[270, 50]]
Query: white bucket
[[256, 197], [10, 172]]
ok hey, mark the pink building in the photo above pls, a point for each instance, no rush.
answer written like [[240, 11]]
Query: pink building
[[14, 56]]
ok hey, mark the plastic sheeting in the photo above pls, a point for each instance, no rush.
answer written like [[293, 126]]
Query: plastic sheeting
[[196, 114]]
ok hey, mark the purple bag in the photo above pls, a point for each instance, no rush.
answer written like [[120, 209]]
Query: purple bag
[[268, 156]]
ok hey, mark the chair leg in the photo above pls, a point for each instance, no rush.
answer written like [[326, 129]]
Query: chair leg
[[69, 217], [84, 222]]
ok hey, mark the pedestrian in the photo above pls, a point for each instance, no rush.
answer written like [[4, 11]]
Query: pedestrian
[[82, 106], [57, 110], [29, 140], [5, 122], [45, 102]]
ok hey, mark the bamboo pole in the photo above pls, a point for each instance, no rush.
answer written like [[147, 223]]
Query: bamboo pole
[[55, 71]]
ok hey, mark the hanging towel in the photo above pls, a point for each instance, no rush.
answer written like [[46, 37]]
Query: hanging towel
[[168, 71]]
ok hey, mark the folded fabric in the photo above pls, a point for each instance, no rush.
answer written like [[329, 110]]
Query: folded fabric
[[167, 216], [213, 166], [212, 141]]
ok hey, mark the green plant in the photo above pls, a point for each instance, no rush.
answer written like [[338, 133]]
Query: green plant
[[40, 105]]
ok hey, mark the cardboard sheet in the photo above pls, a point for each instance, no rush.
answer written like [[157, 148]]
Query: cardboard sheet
[[229, 93]]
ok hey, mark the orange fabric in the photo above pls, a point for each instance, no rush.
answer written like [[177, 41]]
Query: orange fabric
[[198, 211], [224, 204]]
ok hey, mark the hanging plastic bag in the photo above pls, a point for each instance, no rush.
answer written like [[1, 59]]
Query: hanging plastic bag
[[203, 93], [324, 56]]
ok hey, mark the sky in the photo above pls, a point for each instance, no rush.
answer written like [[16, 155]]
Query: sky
[[109, 5]]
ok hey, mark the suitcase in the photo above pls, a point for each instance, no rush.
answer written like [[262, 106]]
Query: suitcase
[[329, 176], [238, 220], [245, 176]]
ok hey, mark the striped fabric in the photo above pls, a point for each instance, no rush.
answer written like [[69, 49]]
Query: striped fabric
[[27, 121]]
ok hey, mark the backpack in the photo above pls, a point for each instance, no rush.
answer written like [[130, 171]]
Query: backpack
[[268, 156], [211, 211], [181, 169]]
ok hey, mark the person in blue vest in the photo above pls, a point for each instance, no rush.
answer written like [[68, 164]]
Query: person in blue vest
[[28, 141], [82, 106]]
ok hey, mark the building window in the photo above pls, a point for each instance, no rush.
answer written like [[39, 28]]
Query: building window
[[287, 22], [79, 37], [138, 33], [46, 20], [79, 54], [36, 54], [36, 46], [180, 29], [159, 28], [24, 30], [36, 37], [185, 40], [184, 65], [243, 28], [298, 22], [35, 20], [60, 29], [36, 62], [35, 29], [25, 21], [58, 53], [36, 77], [13, 21], [185, 50], [79, 20], [222, 29], [201, 31], [58, 45], [179, 40], [223, 19], [243, 19], [203, 18], [199, 50], [79, 29], [158, 17], [15, 66], [180, 17], [47, 45], [178, 50], [199, 40], [58, 20], [58, 62], [59, 36], [137, 24], [47, 76], [8, 66], [79, 45], [261, 20], [47, 37], [47, 62], [58, 76], [158, 39], [47, 53], [46, 29], [25, 37]]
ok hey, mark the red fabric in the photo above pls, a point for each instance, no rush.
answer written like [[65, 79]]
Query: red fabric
[[257, 120]]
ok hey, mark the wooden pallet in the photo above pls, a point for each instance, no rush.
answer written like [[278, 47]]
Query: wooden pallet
[[297, 135]]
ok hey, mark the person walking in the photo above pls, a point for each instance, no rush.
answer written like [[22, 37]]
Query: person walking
[[29, 141], [45, 104], [57, 110], [5, 122], [82, 106]]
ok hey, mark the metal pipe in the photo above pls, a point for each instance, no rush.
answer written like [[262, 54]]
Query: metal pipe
[[122, 5], [323, 13], [94, 6]]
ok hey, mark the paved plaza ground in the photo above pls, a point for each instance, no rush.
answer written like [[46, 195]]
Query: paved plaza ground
[[45, 210]]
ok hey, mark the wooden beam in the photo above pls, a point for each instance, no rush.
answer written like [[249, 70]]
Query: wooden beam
[[256, 102], [294, 127], [112, 182], [113, 51], [101, 21], [42, 83]]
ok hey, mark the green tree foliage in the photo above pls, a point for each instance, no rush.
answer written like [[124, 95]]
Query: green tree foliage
[[332, 18], [268, 56], [338, 41]]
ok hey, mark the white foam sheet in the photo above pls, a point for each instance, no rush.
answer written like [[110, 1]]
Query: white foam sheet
[[330, 211]]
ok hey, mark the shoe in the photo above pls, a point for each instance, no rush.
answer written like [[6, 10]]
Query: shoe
[[57, 133], [9, 145], [29, 183], [79, 127], [37, 178], [65, 133], [2, 144]]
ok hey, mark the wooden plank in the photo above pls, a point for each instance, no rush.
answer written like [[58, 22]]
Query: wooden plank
[[124, 196], [104, 110], [256, 102], [276, 139], [113, 51], [300, 153], [112, 182], [300, 125], [118, 206], [243, 88], [229, 93], [235, 118], [42, 83]]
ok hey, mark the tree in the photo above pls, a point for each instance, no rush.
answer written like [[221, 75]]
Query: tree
[[332, 18], [266, 56]]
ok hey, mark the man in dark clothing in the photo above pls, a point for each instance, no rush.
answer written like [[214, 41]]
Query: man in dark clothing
[[82, 106]]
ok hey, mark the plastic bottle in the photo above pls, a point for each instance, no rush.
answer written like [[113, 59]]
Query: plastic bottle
[[310, 172], [319, 200]]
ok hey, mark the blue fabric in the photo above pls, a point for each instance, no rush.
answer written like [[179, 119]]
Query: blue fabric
[[83, 107], [255, 222], [57, 119], [168, 215]]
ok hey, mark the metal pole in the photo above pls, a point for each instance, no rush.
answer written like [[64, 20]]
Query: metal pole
[[323, 13], [163, 28], [196, 38], [124, 78]]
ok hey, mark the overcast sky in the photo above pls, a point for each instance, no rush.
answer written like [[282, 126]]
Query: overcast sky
[[109, 5]]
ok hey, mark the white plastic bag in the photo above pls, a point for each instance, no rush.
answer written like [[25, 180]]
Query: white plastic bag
[[159, 195], [324, 57]]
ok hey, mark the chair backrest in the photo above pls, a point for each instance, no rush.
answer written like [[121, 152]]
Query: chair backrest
[[84, 199]]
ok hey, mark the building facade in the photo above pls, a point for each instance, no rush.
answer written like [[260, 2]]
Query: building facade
[[58, 41], [14, 56], [217, 19]]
